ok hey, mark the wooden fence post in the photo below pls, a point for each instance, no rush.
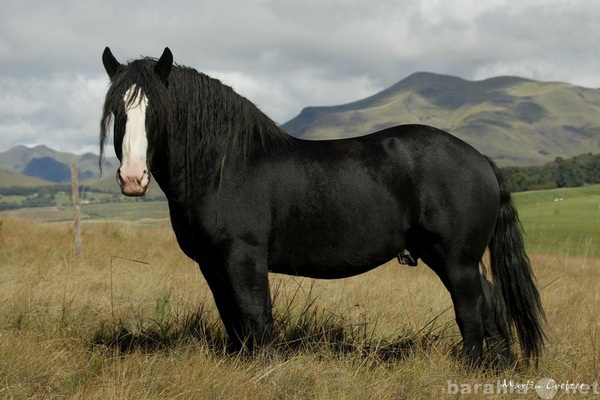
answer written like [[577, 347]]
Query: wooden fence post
[[76, 211]]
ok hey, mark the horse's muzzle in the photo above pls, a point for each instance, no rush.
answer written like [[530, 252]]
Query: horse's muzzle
[[132, 184]]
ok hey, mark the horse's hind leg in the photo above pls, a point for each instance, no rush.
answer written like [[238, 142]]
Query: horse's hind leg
[[467, 296], [496, 337], [463, 283]]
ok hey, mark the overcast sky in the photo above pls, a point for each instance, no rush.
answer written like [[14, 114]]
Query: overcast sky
[[282, 55]]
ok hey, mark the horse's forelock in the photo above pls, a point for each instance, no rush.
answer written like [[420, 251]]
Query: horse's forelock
[[138, 75]]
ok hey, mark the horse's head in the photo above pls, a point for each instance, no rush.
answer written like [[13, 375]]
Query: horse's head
[[130, 103]]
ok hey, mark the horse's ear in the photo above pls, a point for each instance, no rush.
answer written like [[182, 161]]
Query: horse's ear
[[111, 65], [164, 64]]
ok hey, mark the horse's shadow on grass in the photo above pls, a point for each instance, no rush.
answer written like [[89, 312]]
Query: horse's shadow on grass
[[310, 331]]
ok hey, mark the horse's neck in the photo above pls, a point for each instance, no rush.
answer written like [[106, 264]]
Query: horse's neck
[[185, 173], [196, 164]]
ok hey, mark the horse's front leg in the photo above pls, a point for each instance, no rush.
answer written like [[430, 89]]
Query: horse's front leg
[[240, 286]]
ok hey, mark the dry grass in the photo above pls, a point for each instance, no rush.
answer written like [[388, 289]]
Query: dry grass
[[135, 319]]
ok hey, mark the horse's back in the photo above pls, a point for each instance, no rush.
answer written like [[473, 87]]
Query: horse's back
[[408, 159]]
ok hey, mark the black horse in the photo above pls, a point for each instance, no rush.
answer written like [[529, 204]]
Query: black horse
[[245, 198]]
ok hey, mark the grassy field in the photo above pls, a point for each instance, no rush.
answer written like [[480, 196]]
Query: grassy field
[[127, 209], [562, 220], [135, 319]]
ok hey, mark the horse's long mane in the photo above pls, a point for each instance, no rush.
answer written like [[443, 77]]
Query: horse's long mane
[[208, 113]]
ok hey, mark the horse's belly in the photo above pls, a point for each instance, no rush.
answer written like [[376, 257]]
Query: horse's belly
[[340, 270], [340, 231], [334, 259]]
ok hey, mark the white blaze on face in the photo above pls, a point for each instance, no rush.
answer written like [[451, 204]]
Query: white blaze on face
[[133, 174]]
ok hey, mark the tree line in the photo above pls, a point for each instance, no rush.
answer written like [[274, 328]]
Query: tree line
[[35, 196], [571, 172], [49, 190]]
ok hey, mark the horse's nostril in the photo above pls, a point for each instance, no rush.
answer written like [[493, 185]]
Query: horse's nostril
[[120, 180]]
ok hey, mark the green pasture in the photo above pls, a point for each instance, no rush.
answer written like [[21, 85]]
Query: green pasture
[[126, 210], [565, 221], [12, 199], [130, 210]]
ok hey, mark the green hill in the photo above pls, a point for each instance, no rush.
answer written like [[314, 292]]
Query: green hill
[[51, 165], [9, 179], [515, 121]]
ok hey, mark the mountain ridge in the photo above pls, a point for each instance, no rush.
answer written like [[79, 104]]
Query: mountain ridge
[[514, 120]]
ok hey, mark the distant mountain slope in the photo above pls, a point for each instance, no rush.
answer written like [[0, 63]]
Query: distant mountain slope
[[515, 121], [51, 165], [8, 179], [48, 169]]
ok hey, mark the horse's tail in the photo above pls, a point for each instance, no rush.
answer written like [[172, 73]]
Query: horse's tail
[[517, 300]]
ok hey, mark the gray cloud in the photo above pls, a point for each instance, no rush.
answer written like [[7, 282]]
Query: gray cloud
[[282, 55]]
